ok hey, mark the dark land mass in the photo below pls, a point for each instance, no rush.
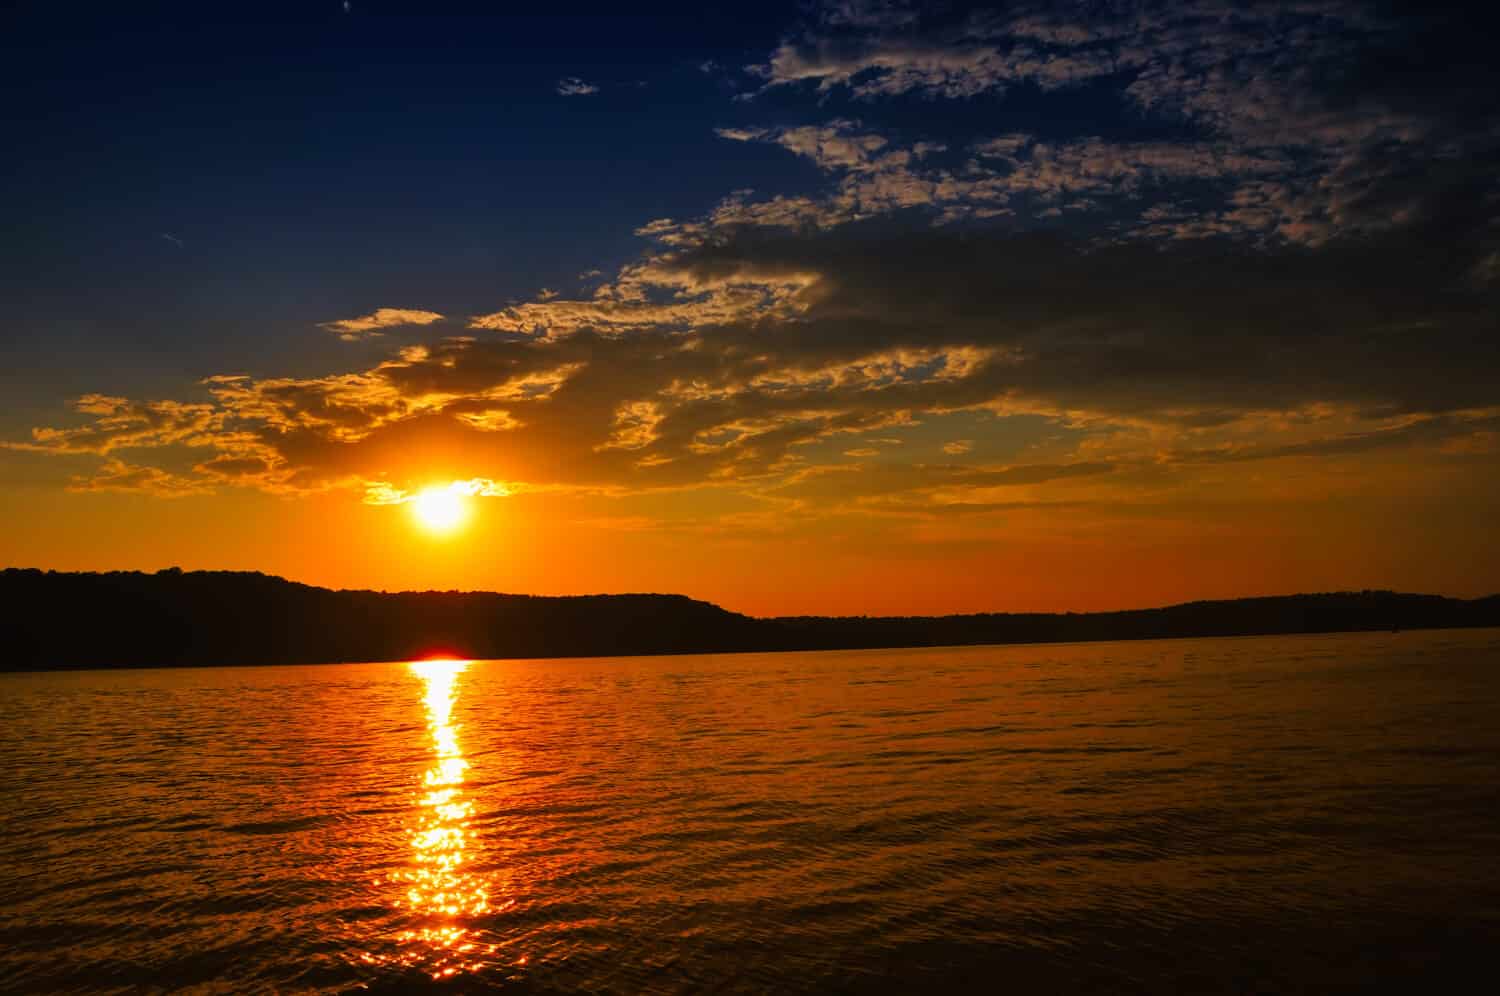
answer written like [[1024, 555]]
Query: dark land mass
[[51, 620]]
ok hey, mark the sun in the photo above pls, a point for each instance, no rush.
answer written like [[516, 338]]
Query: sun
[[440, 509]]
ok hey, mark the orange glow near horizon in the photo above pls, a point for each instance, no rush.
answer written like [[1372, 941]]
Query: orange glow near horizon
[[1092, 553]]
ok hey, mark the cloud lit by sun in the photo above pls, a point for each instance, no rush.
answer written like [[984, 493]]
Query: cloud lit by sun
[[440, 509]]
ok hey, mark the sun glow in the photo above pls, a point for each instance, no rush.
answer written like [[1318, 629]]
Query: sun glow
[[440, 509]]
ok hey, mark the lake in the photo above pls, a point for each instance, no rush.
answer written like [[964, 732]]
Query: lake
[[1271, 814]]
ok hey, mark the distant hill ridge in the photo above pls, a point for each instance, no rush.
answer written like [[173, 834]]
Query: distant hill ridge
[[54, 620]]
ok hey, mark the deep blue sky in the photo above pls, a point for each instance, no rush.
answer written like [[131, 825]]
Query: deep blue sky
[[315, 163], [309, 160]]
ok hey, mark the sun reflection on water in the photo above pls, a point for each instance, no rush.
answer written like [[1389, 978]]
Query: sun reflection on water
[[442, 895]]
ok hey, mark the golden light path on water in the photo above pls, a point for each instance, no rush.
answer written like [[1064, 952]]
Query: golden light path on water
[[441, 895]]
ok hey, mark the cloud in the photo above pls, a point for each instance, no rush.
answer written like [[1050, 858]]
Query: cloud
[[635, 426], [875, 175], [383, 493], [836, 145], [1172, 351], [1456, 433], [351, 329], [887, 67], [120, 423], [883, 14], [572, 86], [1094, 166], [1318, 118], [1279, 257], [899, 49], [868, 483], [655, 294], [117, 475]]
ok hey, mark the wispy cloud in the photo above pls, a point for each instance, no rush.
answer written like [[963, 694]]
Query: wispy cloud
[[572, 86], [117, 475], [381, 318], [1306, 137]]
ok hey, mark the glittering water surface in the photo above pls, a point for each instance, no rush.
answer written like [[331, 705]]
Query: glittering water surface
[[1248, 815]]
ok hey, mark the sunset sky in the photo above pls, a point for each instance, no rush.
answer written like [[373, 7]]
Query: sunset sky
[[851, 307]]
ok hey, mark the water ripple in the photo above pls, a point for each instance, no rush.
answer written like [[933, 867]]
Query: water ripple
[[1291, 814]]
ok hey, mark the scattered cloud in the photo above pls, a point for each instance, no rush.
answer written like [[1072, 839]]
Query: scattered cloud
[[572, 86], [1289, 248], [117, 475], [119, 423], [1306, 123], [351, 329]]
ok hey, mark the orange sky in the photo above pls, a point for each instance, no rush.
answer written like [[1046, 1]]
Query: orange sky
[[1270, 537]]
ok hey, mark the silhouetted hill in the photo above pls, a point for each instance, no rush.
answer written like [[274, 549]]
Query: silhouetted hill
[[203, 618], [1322, 613]]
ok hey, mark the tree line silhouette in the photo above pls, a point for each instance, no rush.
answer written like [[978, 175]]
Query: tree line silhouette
[[54, 620]]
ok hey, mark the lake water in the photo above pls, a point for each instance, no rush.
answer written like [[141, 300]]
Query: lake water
[[1284, 814]]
